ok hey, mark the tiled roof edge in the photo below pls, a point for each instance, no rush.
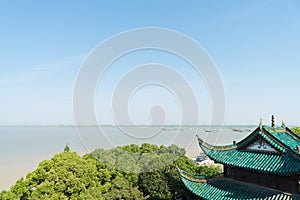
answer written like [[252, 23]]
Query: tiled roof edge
[[213, 147], [200, 179]]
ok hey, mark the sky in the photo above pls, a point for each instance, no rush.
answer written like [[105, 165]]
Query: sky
[[255, 46]]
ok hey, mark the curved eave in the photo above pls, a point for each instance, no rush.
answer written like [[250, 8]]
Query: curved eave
[[265, 133], [220, 188], [256, 161], [265, 162], [198, 179], [207, 147], [285, 161]]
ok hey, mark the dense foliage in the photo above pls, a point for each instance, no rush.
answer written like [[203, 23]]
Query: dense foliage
[[146, 172], [296, 130]]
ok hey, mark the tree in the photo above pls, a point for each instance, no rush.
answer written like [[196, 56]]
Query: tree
[[296, 130], [96, 175], [67, 148], [122, 188]]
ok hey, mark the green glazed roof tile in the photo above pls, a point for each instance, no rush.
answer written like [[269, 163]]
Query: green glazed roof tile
[[272, 163], [285, 161], [286, 137], [226, 188]]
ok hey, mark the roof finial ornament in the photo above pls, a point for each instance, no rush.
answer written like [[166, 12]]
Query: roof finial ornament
[[273, 121], [260, 124], [283, 124]]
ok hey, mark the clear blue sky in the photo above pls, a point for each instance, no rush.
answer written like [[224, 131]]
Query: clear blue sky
[[255, 45]]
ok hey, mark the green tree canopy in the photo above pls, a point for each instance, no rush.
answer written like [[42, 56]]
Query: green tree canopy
[[296, 130], [70, 176]]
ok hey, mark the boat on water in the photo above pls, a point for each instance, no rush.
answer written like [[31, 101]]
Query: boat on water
[[237, 130], [172, 129], [211, 130], [241, 130]]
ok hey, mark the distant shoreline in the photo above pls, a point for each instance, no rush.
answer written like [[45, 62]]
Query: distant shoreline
[[128, 125]]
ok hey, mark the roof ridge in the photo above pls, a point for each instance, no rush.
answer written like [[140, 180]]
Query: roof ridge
[[215, 147], [292, 133], [245, 141], [285, 146], [268, 137], [200, 179], [238, 190]]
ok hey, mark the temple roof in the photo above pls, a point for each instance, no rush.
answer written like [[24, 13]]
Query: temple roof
[[267, 149], [219, 187]]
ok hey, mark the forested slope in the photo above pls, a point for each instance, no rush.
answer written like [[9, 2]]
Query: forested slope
[[128, 172]]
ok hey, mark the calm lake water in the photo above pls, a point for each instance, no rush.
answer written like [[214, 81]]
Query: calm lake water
[[23, 147]]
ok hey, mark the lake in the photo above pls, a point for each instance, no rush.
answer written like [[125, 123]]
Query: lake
[[23, 147]]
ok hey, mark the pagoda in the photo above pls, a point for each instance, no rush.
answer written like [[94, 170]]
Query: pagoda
[[264, 165]]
